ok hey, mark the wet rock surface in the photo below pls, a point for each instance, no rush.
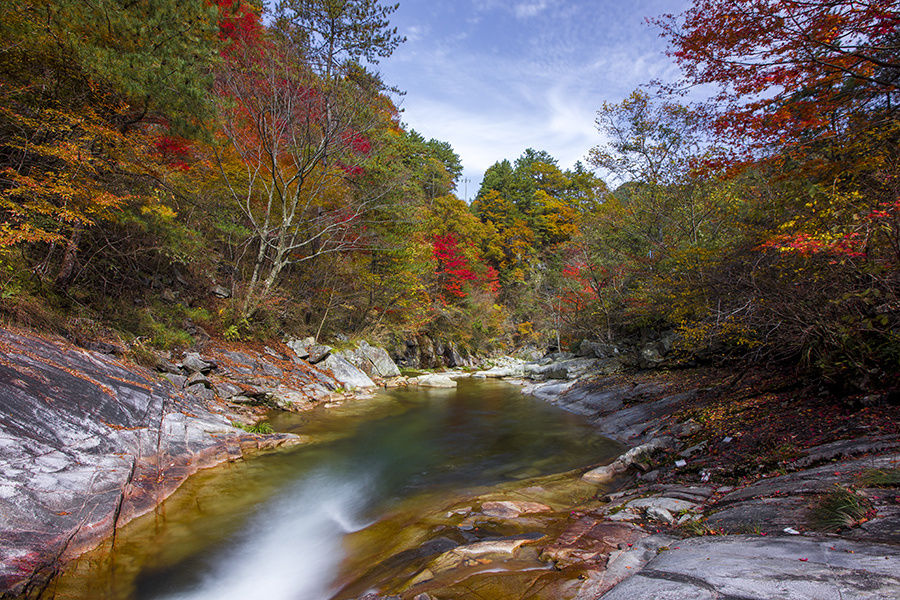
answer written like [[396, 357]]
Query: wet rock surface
[[88, 442]]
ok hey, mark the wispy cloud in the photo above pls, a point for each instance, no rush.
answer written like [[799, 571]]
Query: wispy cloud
[[415, 33], [492, 78], [524, 10]]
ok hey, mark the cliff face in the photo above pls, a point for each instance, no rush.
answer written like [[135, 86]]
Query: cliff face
[[88, 442]]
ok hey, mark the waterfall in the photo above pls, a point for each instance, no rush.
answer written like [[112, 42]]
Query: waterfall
[[291, 549]]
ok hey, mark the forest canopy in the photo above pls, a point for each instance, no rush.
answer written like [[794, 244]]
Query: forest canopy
[[173, 165]]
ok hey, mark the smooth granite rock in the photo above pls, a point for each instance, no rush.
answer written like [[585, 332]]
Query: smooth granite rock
[[87, 443], [766, 568], [347, 374], [435, 381]]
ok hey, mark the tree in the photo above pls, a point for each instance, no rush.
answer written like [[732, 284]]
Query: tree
[[652, 146], [289, 156], [789, 71], [296, 111], [81, 86], [333, 33]]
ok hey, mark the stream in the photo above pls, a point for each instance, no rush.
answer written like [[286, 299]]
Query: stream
[[304, 523]]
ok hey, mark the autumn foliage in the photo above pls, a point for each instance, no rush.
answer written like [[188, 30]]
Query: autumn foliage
[[247, 172]]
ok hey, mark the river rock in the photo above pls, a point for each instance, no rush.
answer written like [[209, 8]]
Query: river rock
[[571, 369], [381, 361], [607, 473], [435, 381], [503, 371], [346, 374], [508, 509], [372, 360], [672, 505]]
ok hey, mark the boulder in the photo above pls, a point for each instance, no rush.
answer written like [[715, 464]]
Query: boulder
[[226, 390], [318, 353], [301, 347], [650, 357], [672, 505], [163, 365], [589, 349], [193, 363], [197, 378], [570, 369], [346, 374], [607, 473], [435, 381], [374, 361], [504, 367], [220, 291]]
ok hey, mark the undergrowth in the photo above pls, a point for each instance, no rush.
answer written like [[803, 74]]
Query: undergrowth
[[840, 508]]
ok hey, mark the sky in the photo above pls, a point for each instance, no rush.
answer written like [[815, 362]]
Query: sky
[[495, 77]]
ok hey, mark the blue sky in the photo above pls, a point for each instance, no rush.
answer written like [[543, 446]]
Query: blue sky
[[495, 77]]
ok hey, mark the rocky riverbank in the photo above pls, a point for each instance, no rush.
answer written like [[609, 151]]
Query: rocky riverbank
[[742, 486], [754, 509], [89, 441], [732, 485]]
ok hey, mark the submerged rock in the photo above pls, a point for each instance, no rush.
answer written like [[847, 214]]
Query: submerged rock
[[511, 508]]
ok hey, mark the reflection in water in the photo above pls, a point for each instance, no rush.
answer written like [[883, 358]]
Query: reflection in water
[[273, 527]]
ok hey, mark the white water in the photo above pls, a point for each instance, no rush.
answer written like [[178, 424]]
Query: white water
[[291, 549]]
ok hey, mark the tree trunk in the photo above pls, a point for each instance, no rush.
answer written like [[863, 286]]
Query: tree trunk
[[70, 258]]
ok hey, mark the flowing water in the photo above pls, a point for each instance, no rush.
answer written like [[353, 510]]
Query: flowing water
[[279, 526]]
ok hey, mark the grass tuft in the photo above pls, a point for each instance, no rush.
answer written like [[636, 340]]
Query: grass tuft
[[263, 428], [880, 478], [838, 509]]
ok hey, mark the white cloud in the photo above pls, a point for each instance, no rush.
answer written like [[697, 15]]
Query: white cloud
[[414, 33], [524, 10]]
